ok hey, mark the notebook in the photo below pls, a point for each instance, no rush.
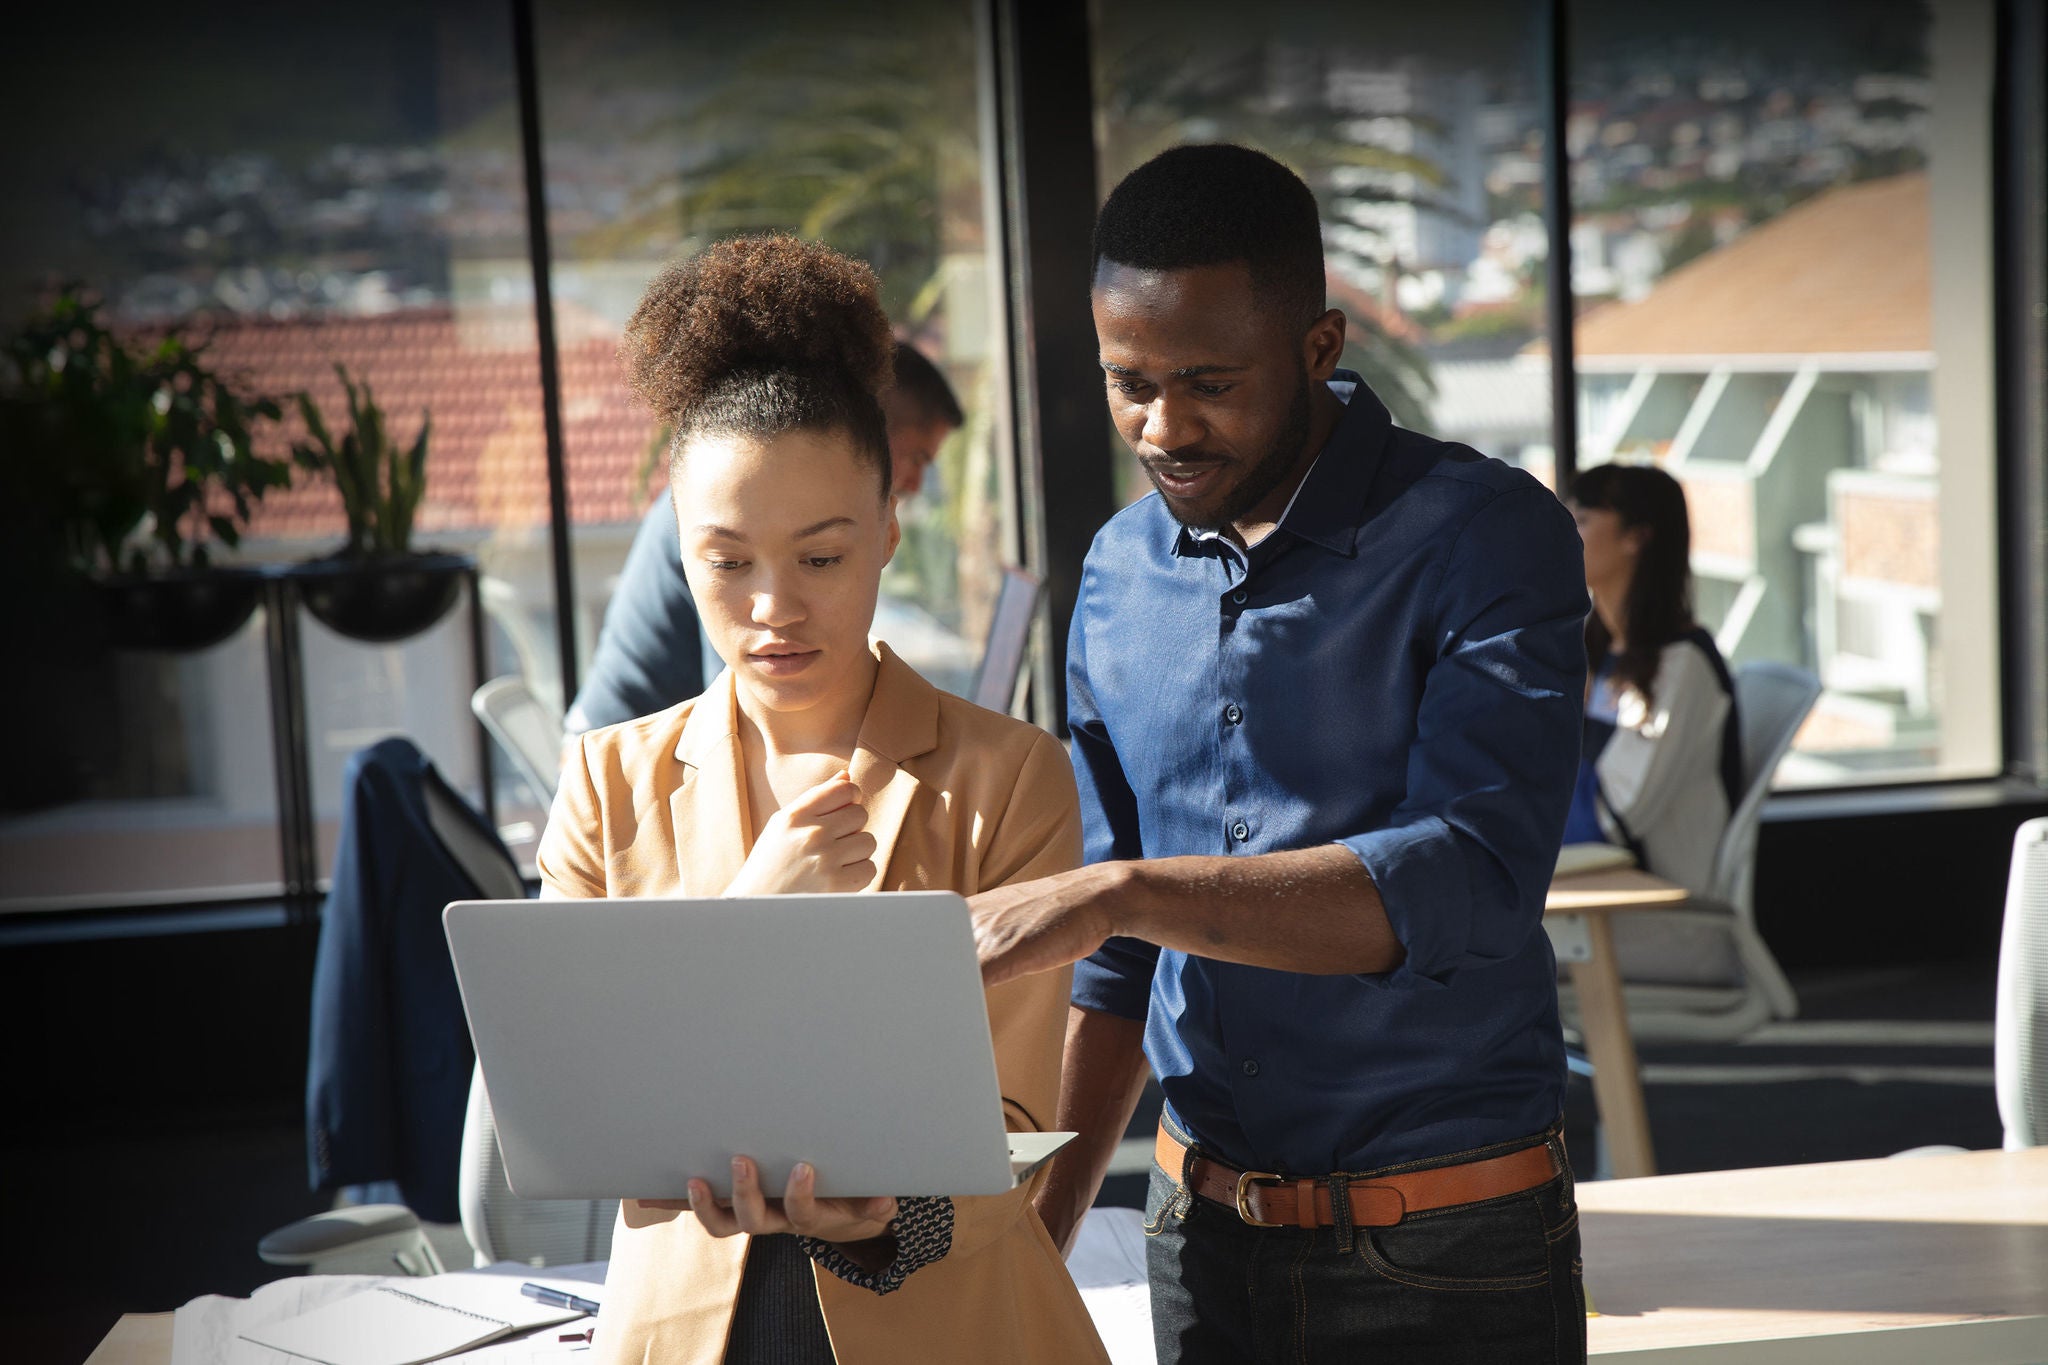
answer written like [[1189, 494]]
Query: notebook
[[411, 1321]]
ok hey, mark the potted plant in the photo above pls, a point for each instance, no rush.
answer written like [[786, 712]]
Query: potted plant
[[374, 588], [147, 459]]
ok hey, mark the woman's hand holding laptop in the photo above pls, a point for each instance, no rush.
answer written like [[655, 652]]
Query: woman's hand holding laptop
[[845, 1221], [817, 843]]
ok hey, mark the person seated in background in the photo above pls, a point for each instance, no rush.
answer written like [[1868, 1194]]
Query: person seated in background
[[647, 655], [1661, 769], [817, 762]]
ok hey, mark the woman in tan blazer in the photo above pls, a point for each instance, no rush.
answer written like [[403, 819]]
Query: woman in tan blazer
[[815, 762]]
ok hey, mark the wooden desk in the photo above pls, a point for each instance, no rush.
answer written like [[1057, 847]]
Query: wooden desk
[[1926, 1259], [137, 1339], [1577, 908]]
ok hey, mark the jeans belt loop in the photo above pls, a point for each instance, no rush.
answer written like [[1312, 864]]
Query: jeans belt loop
[[1183, 1201], [1340, 1212]]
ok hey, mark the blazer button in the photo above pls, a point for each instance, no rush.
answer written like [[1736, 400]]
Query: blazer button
[[1239, 596], [1240, 831], [1233, 713], [1251, 1068]]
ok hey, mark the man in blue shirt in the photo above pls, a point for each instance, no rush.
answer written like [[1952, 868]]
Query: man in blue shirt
[[648, 656], [1325, 693]]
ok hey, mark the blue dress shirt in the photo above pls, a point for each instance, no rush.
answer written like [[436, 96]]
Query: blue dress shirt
[[648, 657], [1399, 668]]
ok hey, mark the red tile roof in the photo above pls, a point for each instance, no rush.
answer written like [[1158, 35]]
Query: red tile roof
[[1847, 272], [479, 375]]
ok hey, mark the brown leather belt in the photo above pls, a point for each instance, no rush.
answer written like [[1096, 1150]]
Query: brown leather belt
[[1265, 1200]]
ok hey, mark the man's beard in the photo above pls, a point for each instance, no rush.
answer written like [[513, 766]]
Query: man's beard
[[1267, 474]]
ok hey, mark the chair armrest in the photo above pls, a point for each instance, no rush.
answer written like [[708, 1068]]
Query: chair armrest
[[356, 1230]]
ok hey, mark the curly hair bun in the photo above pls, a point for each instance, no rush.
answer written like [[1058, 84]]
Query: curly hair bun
[[756, 306]]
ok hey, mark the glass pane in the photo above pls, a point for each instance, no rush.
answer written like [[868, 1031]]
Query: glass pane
[[301, 188], [669, 127], [1419, 130], [1781, 225]]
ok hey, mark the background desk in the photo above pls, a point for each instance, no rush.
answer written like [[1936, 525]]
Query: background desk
[[1576, 915], [1929, 1260], [137, 1339]]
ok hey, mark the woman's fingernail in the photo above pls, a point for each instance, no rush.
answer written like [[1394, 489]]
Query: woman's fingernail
[[802, 1170], [739, 1167]]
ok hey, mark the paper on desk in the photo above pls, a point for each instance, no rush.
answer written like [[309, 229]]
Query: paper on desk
[[405, 1322], [208, 1330], [1108, 1266]]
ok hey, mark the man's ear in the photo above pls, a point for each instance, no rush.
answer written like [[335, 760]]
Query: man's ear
[[895, 533], [1323, 347]]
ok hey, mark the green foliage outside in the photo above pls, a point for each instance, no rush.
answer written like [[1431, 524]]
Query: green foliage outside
[[137, 453], [381, 482]]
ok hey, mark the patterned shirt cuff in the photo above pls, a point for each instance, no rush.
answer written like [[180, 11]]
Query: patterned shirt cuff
[[923, 1228]]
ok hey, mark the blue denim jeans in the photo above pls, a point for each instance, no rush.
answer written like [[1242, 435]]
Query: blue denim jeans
[[1491, 1283]]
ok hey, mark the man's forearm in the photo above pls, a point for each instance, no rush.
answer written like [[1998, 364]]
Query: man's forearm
[[1102, 1074], [1312, 910]]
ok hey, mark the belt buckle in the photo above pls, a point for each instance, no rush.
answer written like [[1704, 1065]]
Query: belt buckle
[[1244, 1210]]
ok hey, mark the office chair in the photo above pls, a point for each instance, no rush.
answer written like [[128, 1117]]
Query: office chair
[[1009, 637], [1704, 973], [526, 730], [2020, 1036], [500, 1226]]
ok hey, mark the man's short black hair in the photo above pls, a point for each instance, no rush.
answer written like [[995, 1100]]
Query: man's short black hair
[[1212, 203], [921, 382]]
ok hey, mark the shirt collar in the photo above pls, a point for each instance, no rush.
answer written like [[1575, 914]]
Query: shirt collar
[[1329, 503]]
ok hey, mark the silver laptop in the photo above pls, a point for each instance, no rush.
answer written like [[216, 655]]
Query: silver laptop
[[629, 1045]]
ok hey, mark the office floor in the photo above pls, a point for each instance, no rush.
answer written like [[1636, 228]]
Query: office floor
[[98, 1223]]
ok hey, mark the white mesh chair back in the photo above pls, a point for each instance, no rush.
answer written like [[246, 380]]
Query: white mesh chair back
[[528, 732], [503, 1227], [1009, 637], [1771, 703], [2021, 1049]]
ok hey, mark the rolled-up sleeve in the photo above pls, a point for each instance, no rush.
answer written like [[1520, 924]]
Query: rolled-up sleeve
[[1464, 862], [1117, 977]]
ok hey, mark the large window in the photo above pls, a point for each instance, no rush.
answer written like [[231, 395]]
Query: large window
[[1780, 232], [1420, 132], [670, 127], [1780, 261], [300, 187]]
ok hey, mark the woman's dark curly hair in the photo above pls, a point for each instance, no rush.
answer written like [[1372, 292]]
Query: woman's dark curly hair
[[763, 335]]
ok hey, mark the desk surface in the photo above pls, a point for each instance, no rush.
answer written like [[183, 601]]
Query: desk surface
[[137, 1339], [1863, 1261], [1685, 1267], [1615, 888]]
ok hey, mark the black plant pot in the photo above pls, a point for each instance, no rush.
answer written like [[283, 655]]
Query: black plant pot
[[380, 601], [178, 612]]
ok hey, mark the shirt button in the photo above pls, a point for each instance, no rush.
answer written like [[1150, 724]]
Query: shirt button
[[1239, 596], [1240, 831], [1233, 713], [1251, 1068]]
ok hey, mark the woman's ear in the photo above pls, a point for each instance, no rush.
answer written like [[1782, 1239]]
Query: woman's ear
[[894, 533], [1637, 539]]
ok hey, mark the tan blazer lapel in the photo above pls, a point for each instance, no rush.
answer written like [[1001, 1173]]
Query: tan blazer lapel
[[709, 810], [902, 722]]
